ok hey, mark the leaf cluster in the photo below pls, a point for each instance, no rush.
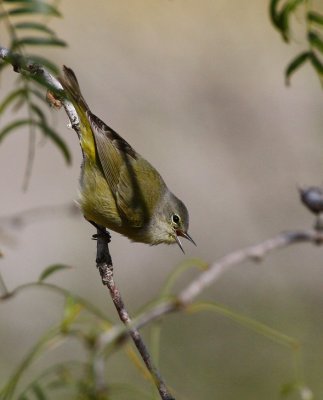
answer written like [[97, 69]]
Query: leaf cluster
[[26, 22], [281, 13]]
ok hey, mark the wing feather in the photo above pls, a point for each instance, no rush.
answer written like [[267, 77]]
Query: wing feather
[[126, 172]]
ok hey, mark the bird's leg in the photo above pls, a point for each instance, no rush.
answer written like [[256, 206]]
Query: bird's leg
[[103, 256], [101, 231]]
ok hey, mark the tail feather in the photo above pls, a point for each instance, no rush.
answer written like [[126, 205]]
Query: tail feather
[[73, 93], [72, 88]]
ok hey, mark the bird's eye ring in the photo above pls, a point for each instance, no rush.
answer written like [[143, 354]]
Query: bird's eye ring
[[175, 218]]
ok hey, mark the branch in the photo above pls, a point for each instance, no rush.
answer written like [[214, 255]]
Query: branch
[[104, 261], [38, 73], [254, 253], [104, 265]]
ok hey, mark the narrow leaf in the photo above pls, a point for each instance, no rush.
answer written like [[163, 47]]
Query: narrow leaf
[[179, 270], [22, 1], [295, 64], [284, 17], [37, 41], [316, 41], [22, 397], [38, 112], [38, 392], [315, 17], [33, 7], [273, 12], [52, 269], [291, 5], [48, 340], [283, 25], [35, 26], [288, 388], [280, 18], [252, 324], [317, 64], [72, 310], [11, 97], [54, 136], [14, 125]]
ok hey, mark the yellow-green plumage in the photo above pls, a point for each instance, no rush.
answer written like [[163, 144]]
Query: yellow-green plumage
[[119, 189]]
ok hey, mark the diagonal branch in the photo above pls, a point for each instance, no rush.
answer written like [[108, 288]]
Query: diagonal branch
[[254, 253], [104, 265]]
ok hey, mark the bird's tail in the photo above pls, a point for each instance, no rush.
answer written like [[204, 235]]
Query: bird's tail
[[72, 89], [73, 93]]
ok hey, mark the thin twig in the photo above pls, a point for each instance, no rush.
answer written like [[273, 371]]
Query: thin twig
[[104, 265], [254, 253]]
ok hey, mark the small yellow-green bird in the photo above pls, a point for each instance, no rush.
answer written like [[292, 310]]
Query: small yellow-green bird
[[119, 189]]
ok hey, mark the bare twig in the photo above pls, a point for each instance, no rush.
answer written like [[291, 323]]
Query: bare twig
[[254, 253], [104, 264], [104, 261]]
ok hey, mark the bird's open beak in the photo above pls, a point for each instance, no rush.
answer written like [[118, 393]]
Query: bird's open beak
[[185, 235]]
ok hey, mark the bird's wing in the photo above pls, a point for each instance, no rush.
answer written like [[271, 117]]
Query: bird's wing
[[126, 173]]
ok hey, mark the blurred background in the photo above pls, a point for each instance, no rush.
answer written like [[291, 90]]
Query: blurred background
[[198, 89]]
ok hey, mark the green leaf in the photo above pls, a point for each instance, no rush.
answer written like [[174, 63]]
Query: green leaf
[[285, 15], [72, 310], [283, 25], [179, 270], [317, 64], [288, 388], [19, 1], [252, 324], [315, 17], [38, 112], [54, 136], [14, 125], [47, 341], [34, 7], [37, 41], [47, 131], [280, 19], [11, 97], [295, 64], [52, 269], [273, 12], [35, 26], [38, 392], [315, 41]]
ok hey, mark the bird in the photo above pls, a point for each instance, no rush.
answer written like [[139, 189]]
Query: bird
[[119, 189]]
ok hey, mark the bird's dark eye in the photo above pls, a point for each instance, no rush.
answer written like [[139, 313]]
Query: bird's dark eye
[[175, 218]]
